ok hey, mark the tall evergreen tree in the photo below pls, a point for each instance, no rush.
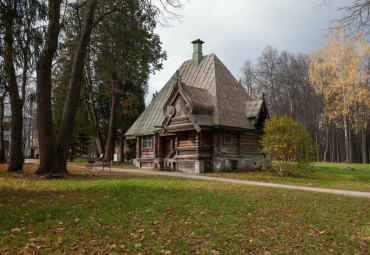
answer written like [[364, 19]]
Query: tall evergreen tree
[[20, 43]]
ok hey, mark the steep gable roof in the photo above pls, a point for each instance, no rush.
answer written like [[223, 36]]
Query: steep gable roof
[[253, 108], [219, 98]]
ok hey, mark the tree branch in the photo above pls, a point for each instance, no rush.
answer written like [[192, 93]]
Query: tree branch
[[104, 15]]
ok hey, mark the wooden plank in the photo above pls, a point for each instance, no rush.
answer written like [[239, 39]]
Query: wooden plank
[[180, 127]]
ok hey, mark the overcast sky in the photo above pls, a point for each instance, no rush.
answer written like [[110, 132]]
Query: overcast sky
[[238, 30]]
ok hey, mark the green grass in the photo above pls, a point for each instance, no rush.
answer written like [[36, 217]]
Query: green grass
[[82, 162], [117, 213], [326, 175]]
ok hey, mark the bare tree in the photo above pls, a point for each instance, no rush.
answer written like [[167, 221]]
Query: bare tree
[[355, 17]]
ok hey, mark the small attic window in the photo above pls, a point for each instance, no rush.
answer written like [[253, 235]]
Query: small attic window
[[252, 120], [227, 137], [147, 142]]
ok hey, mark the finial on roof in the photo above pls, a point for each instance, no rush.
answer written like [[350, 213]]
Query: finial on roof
[[263, 96], [197, 52]]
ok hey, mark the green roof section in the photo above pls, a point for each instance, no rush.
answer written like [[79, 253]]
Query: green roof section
[[219, 98]]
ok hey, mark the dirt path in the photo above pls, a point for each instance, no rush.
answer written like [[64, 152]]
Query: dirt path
[[219, 179]]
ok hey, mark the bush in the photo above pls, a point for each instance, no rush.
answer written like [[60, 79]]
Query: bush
[[288, 142]]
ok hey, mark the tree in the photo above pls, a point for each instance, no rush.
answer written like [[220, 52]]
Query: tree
[[44, 115], [125, 53], [3, 92], [19, 49], [356, 16], [287, 141], [283, 77], [65, 134], [56, 157], [338, 72]]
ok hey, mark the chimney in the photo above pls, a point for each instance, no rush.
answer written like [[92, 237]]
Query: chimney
[[197, 52]]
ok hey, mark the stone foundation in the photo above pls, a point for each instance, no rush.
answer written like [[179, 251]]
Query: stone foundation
[[238, 164], [203, 166]]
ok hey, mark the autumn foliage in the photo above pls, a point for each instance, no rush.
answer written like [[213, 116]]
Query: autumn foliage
[[339, 73], [288, 142]]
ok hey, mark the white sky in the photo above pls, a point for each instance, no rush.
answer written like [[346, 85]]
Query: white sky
[[238, 30]]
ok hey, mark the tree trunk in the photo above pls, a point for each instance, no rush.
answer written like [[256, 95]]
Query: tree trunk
[[2, 146], [332, 151], [67, 124], [350, 143], [112, 120], [97, 134], [346, 138], [338, 156], [91, 109], [326, 144], [364, 145], [44, 117], [16, 123], [316, 139], [71, 155], [122, 147]]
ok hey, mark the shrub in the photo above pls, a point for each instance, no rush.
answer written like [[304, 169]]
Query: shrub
[[288, 142]]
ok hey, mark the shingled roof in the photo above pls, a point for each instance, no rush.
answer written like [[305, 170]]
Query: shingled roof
[[212, 88], [253, 108]]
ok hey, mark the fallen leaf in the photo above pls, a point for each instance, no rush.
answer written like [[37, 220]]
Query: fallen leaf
[[16, 230], [59, 242], [33, 240], [132, 235]]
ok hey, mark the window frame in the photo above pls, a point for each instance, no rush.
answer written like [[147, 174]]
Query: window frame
[[230, 140], [147, 139]]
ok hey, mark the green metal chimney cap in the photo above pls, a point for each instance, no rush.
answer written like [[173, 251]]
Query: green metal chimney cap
[[197, 41]]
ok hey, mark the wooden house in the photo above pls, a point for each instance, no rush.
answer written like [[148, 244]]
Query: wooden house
[[202, 120]]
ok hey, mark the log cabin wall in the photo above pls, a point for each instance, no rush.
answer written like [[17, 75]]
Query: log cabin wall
[[206, 138], [138, 146], [206, 142], [217, 142], [250, 143], [167, 144], [147, 152], [230, 150], [186, 145], [186, 139]]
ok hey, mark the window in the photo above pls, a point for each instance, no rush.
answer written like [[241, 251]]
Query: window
[[147, 142], [227, 137]]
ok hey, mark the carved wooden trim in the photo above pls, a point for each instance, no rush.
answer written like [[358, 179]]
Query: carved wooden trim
[[169, 112]]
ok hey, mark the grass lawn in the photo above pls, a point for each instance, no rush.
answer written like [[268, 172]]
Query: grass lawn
[[91, 212], [326, 175]]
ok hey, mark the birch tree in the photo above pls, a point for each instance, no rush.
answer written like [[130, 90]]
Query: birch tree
[[337, 72]]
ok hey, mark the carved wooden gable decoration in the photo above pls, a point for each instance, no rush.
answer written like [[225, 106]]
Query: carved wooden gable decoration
[[178, 111]]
